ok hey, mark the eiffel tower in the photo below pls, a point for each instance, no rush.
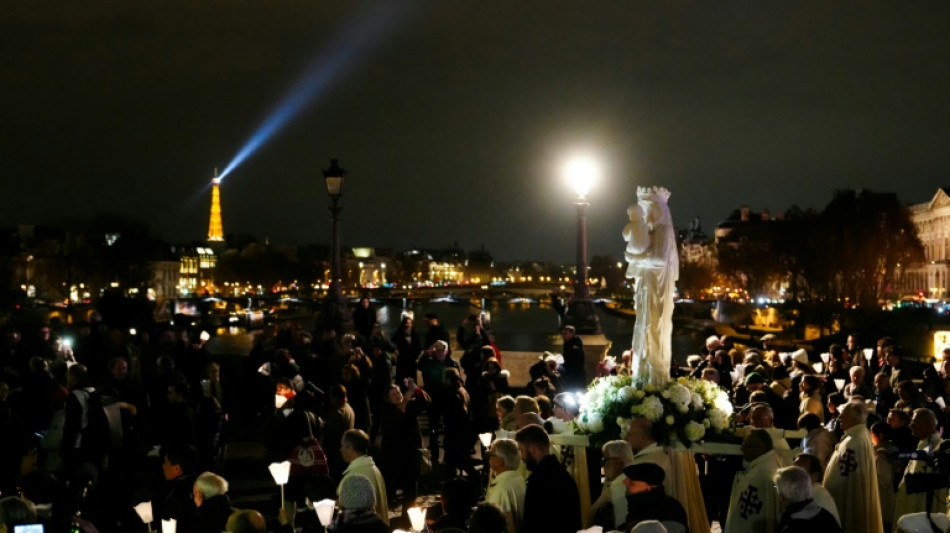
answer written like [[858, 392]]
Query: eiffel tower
[[215, 229]]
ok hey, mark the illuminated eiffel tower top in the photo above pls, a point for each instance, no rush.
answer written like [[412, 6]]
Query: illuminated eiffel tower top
[[215, 229]]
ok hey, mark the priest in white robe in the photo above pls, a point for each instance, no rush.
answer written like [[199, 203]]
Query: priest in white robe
[[851, 475], [754, 505]]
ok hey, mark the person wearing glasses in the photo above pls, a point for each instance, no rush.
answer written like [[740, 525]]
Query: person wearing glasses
[[610, 510]]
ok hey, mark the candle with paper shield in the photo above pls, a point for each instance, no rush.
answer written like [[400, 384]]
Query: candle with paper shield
[[839, 383], [868, 354], [281, 473], [169, 526], [825, 357], [144, 510], [324, 510], [485, 439], [279, 401], [417, 517]]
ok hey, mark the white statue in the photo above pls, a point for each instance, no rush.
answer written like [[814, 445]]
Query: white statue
[[637, 235], [654, 262]]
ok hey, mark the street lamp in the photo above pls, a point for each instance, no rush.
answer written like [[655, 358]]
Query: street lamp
[[336, 304], [582, 172]]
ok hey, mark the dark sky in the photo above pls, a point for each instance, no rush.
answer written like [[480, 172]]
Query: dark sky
[[453, 118]]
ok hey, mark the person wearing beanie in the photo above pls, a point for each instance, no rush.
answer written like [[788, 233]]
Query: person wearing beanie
[[358, 507], [646, 498]]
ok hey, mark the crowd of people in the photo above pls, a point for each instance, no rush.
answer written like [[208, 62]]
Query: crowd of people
[[82, 414]]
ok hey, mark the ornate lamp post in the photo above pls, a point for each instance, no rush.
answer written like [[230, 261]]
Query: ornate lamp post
[[582, 172], [336, 304]]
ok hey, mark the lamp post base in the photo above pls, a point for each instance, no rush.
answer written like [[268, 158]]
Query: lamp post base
[[335, 313]]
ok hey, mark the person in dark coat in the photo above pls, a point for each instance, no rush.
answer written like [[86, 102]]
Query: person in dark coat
[[401, 439], [364, 317], [214, 505], [176, 499], [408, 348], [646, 498], [457, 500], [802, 514], [574, 376], [436, 331], [551, 500]]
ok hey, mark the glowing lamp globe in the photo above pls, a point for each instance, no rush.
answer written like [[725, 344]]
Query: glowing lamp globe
[[581, 172], [417, 517], [334, 177], [280, 472], [324, 510]]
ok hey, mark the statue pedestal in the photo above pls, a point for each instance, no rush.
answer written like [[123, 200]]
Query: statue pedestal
[[595, 348]]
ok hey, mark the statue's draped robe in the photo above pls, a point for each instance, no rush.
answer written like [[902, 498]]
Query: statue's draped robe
[[656, 268]]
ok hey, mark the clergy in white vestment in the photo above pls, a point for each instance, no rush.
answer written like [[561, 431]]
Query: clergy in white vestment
[[506, 489], [754, 505], [610, 509], [923, 424], [851, 475]]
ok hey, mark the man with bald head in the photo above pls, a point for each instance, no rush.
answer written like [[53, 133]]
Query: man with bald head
[[754, 505], [851, 475], [246, 521], [646, 450], [923, 424]]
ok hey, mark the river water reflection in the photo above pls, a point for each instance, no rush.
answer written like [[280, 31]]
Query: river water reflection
[[530, 327]]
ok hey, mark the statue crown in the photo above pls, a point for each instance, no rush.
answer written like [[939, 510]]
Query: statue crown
[[653, 193]]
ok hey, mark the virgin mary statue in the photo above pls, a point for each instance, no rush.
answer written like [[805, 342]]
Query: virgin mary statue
[[653, 260]]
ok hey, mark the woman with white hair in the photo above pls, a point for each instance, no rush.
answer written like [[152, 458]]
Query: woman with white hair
[[802, 514], [507, 489]]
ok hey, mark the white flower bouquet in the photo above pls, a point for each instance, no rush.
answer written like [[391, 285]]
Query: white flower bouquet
[[683, 411]]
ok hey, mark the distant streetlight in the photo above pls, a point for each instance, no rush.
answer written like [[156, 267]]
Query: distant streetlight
[[336, 303], [582, 172]]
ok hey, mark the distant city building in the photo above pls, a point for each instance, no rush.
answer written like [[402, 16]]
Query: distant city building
[[695, 246], [741, 217], [165, 278], [479, 266], [196, 270], [367, 267], [932, 219]]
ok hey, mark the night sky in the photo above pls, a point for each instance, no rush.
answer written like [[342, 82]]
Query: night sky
[[453, 118]]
